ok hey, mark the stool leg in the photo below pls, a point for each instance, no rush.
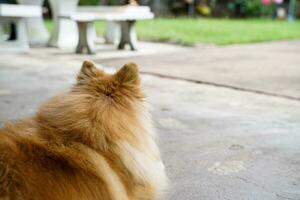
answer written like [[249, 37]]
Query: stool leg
[[64, 34], [21, 33], [128, 35], [21, 42], [112, 32], [84, 41], [3, 36]]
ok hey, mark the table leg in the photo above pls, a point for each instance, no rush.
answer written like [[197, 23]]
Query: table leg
[[85, 43], [22, 36], [128, 35]]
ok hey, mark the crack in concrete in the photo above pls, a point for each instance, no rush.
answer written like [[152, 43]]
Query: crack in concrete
[[223, 86], [283, 197], [262, 187]]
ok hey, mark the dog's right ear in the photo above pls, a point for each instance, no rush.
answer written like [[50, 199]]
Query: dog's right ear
[[128, 74], [88, 70]]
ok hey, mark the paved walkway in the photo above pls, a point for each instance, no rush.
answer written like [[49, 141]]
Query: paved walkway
[[220, 137], [266, 67]]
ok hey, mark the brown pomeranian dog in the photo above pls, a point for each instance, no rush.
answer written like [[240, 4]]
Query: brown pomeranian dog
[[93, 142]]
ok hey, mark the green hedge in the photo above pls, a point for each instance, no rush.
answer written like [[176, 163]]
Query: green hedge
[[250, 8], [89, 2], [106, 2]]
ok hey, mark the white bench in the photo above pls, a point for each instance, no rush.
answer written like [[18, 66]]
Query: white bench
[[125, 16], [13, 13]]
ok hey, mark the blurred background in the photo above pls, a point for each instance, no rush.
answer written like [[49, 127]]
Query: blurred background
[[189, 22], [222, 78]]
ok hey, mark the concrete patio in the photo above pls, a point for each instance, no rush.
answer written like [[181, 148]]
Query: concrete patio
[[228, 117]]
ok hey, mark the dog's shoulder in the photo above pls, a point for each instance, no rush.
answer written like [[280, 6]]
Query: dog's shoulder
[[9, 151]]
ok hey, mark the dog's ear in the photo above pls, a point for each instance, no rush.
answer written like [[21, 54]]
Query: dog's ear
[[128, 74], [88, 70]]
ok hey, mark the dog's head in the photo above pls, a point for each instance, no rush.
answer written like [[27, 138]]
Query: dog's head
[[99, 108], [118, 89]]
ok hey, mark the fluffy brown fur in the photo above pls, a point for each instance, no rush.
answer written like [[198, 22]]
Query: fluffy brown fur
[[93, 142]]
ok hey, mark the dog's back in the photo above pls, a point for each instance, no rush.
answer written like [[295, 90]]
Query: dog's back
[[94, 142], [32, 169]]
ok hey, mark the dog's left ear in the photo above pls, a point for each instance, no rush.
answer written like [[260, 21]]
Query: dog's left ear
[[128, 74], [88, 70]]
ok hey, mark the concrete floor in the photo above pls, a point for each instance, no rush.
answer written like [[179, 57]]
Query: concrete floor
[[228, 117]]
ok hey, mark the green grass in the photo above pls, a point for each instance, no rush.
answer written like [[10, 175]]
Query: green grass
[[49, 25], [217, 31]]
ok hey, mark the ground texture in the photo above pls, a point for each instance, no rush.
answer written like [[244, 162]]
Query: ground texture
[[228, 117]]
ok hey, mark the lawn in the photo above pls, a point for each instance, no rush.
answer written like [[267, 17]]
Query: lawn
[[217, 31]]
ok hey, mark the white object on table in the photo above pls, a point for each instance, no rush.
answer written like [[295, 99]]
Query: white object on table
[[65, 32]]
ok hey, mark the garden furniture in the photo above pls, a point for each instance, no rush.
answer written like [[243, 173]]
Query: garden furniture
[[37, 32], [65, 33], [113, 28], [124, 16], [16, 14]]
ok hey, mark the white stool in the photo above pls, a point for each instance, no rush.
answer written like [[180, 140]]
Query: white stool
[[17, 14], [65, 32], [37, 32]]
